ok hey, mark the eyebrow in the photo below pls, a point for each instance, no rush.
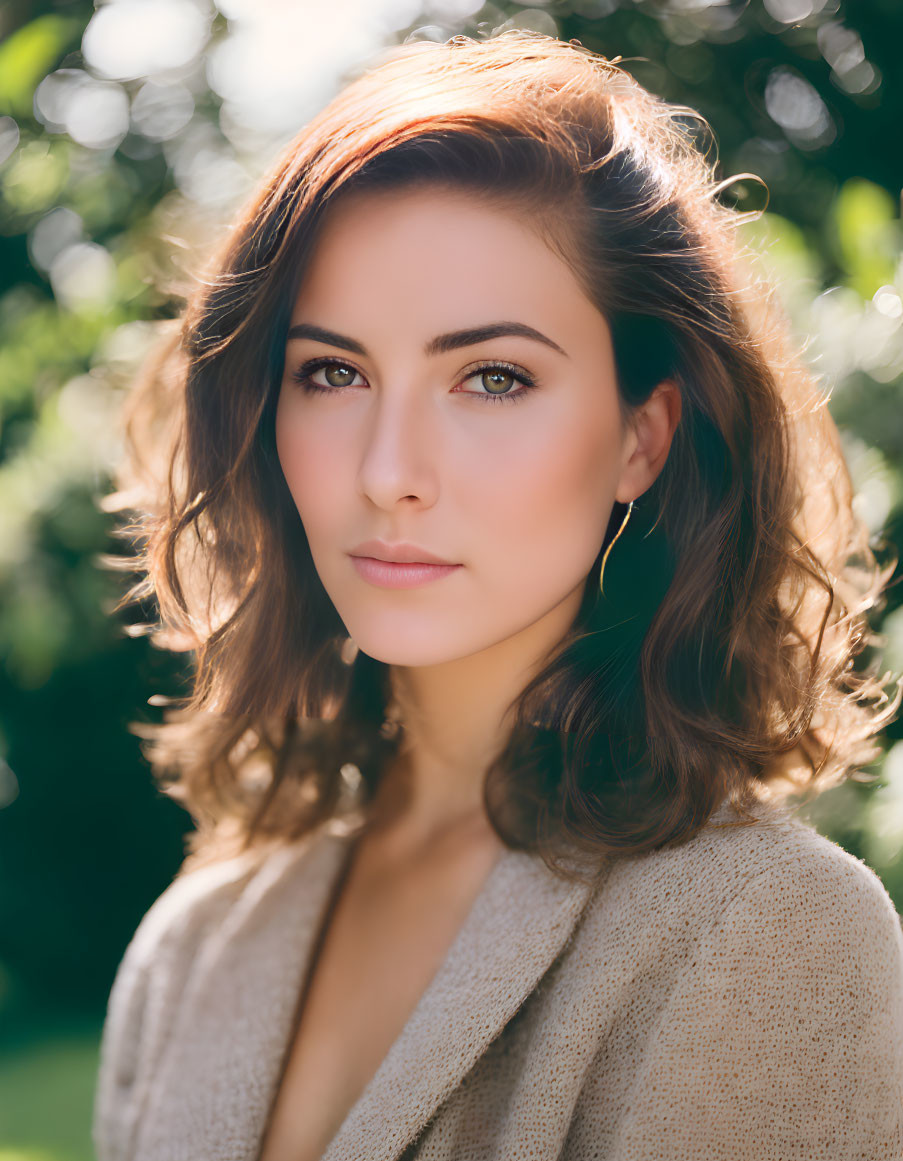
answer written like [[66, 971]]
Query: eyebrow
[[437, 346]]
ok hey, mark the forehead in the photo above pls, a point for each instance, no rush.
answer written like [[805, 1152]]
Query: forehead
[[419, 204], [430, 250]]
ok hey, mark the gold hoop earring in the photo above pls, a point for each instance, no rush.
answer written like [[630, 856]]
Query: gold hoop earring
[[613, 541]]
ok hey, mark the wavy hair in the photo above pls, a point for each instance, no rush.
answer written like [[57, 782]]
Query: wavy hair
[[720, 659]]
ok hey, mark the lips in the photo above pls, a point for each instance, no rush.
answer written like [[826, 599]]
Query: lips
[[395, 575], [401, 553]]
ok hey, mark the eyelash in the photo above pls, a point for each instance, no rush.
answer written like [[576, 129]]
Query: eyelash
[[303, 378]]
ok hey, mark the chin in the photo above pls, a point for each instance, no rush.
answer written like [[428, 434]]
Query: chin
[[418, 638], [414, 654]]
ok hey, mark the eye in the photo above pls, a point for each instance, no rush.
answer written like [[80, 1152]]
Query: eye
[[335, 373], [496, 379]]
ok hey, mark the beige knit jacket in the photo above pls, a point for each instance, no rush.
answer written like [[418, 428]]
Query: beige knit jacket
[[735, 998]]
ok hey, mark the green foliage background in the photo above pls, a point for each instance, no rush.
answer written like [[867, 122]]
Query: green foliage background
[[97, 235]]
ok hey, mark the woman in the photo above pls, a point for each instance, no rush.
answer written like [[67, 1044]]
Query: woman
[[497, 707]]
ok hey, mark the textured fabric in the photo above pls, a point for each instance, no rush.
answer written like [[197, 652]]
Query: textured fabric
[[738, 997]]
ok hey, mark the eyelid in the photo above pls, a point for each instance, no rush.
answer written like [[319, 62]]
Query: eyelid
[[310, 366], [520, 374]]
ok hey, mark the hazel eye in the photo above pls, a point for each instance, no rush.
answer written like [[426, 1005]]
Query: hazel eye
[[337, 374], [496, 382]]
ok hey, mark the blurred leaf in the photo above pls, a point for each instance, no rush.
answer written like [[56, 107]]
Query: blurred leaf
[[867, 234], [25, 58], [34, 177], [35, 629]]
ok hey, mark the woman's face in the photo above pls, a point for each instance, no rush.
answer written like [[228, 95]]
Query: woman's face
[[499, 453]]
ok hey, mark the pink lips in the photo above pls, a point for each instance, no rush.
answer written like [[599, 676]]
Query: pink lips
[[401, 552], [388, 574]]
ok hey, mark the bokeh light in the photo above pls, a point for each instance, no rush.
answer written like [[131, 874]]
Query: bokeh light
[[127, 39]]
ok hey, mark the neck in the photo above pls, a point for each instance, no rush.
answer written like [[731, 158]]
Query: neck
[[456, 720]]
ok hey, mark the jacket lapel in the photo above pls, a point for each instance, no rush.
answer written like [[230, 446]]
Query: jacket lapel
[[513, 933], [212, 1092], [516, 929]]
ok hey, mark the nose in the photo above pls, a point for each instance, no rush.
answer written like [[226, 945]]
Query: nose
[[399, 452]]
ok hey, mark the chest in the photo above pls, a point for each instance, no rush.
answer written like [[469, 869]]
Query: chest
[[385, 939]]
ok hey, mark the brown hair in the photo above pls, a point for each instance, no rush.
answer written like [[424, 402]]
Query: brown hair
[[720, 659]]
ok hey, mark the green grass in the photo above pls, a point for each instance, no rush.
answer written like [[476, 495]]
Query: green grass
[[46, 1098]]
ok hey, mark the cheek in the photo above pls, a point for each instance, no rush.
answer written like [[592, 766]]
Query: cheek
[[308, 464], [549, 498]]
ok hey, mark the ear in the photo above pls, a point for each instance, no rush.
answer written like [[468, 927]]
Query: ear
[[651, 429]]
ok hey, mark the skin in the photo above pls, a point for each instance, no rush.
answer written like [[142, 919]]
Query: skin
[[518, 492]]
